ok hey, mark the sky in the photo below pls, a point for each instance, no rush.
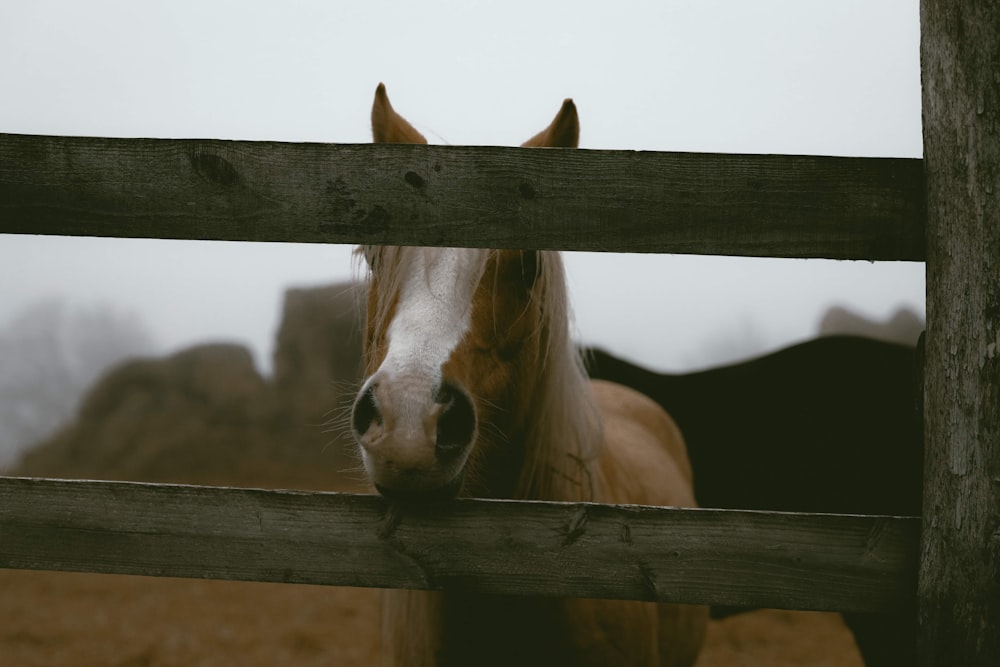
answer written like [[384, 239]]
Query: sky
[[794, 77]]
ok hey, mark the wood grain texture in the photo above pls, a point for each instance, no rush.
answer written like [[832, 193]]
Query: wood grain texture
[[781, 560], [622, 201], [959, 589]]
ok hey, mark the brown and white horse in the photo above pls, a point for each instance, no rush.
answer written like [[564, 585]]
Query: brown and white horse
[[474, 388]]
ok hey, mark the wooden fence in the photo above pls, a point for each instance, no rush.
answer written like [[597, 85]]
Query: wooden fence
[[494, 197], [873, 209]]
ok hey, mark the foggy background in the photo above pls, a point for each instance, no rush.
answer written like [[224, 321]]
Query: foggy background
[[794, 77]]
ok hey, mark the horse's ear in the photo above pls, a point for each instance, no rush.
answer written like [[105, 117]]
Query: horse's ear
[[563, 132], [388, 127]]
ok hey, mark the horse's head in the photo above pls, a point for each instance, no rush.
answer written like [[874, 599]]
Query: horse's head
[[453, 342]]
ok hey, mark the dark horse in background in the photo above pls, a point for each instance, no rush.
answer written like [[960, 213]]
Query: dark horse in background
[[829, 425]]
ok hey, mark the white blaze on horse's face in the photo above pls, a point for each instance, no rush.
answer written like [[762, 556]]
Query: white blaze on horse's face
[[433, 312], [416, 427]]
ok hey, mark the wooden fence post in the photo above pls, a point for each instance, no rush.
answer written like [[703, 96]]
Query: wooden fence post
[[959, 587]]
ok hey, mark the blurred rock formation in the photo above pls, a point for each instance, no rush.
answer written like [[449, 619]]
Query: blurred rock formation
[[205, 415]]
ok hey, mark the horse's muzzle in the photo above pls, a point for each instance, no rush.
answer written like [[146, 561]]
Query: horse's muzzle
[[415, 440]]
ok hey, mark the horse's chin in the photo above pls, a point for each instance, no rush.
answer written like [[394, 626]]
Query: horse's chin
[[438, 494]]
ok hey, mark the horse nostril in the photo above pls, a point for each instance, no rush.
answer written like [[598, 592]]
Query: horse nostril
[[456, 423], [365, 412]]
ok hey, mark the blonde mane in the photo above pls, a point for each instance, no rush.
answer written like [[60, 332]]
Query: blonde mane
[[565, 432]]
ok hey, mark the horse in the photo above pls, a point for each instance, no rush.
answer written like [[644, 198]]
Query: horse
[[473, 388], [832, 424]]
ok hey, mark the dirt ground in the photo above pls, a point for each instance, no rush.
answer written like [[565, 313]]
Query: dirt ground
[[60, 619]]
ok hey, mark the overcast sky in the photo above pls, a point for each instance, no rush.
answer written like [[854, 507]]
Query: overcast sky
[[796, 76]]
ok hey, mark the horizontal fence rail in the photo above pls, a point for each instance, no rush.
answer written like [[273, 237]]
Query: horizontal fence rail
[[621, 201], [738, 558]]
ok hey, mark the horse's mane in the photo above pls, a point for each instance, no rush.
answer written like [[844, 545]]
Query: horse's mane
[[564, 429]]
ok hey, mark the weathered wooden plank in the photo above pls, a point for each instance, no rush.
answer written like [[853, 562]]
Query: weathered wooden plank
[[959, 589], [623, 201], [737, 558]]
